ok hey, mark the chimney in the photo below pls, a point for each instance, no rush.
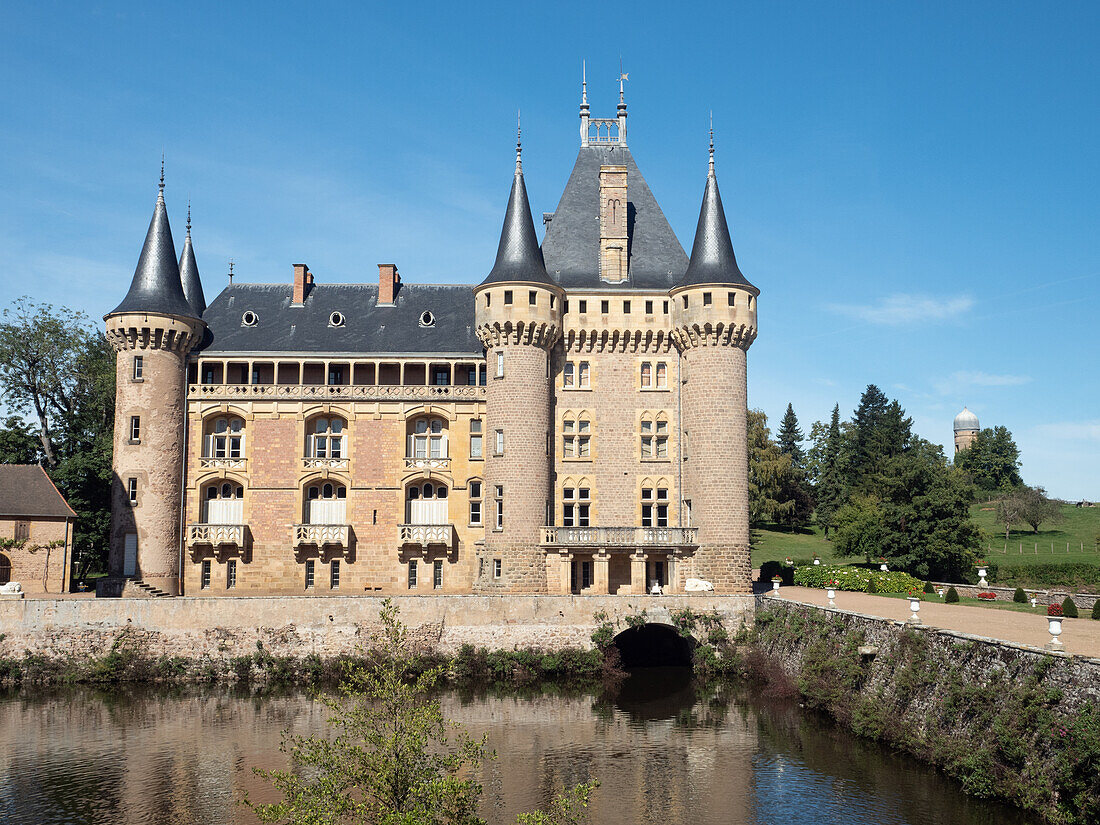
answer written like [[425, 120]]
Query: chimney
[[613, 229], [388, 280], [303, 280]]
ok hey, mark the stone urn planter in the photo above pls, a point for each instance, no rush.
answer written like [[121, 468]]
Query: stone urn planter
[[1054, 627], [817, 560], [914, 609], [775, 584], [884, 568], [981, 575], [831, 593]]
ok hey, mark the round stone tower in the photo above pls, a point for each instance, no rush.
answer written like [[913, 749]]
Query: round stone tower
[[966, 429], [518, 318], [714, 323], [152, 332]]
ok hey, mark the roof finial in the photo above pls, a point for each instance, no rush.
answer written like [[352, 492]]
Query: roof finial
[[160, 190], [584, 84], [230, 271], [188, 217], [622, 76], [711, 171], [519, 145]]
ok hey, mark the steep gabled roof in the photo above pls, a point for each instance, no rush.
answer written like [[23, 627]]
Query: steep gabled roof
[[27, 492], [712, 258], [367, 328], [156, 287], [571, 248]]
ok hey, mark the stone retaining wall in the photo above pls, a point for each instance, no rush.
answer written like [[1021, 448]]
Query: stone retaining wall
[[195, 627], [1084, 601]]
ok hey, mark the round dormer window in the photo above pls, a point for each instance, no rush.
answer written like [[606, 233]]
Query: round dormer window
[[427, 319], [336, 320], [249, 319]]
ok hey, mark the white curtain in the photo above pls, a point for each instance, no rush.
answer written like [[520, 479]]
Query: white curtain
[[328, 511], [427, 511], [224, 511]]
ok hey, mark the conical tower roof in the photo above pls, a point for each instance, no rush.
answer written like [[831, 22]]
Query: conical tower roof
[[518, 256], [156, 287], [712, 260], [189, 273]]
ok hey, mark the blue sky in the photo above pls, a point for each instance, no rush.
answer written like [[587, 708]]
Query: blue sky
[[912, 186]]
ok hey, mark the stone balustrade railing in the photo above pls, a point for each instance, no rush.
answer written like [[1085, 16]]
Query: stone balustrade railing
[[618, 536], [337, 392], [322, 534], [211, 463], [425, 534], [427, 463], [217, 535], [325, 463]]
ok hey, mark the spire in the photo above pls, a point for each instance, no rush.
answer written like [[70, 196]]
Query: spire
[[712, 259], [189, 273], [519, 145], [156, 287], [710, 163], [518, 255], [584, 103], [621, 113]]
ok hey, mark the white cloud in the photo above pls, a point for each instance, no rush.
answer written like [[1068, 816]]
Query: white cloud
[[962, 380], [902, 309], [1070, 430]]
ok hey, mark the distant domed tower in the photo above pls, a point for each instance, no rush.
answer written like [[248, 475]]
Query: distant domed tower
[[966, 429]]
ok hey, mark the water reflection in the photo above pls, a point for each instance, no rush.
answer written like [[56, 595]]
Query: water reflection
[[664, 750]]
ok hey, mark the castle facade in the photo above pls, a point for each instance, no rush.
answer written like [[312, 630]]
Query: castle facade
[[576, 423]]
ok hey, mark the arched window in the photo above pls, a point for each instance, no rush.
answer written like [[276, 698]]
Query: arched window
[[428, 438], [5, 569], [223, 503], [576, 505], [426, 503], [224, 438], [326, 502], [576, 434], [326, 437], [654, 436]]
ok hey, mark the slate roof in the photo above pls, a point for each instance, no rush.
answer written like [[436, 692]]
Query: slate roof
[[518, 255], [27, 492], [571, 247], [368, 328], [189, 278], [712, 258], [156, 286]]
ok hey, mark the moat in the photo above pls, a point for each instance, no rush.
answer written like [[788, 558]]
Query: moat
[[665, 752]]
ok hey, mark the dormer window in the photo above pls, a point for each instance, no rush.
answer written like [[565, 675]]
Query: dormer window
[[427, 319], [249, 319], [336, 320]]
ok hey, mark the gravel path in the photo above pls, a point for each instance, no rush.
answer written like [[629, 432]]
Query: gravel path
[[1080, 636]]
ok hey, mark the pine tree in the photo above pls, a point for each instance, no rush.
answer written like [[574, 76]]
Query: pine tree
[[790, 438], [867, 420], [768, 469], [830, 489]]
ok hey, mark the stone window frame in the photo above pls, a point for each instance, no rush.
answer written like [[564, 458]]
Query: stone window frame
[[137, 371], [437, 574], [135, 429], [577, 492], [477, 433], [210, 435], [204, 574], [411, 581], [230, 574], [656, 372], [500, 364], [434, 439], [576, 375], [498, 569], [655, 484], [340, 435], [334, 574], [650, 436], [132, 490], [310, 574], [578, 436], [475, 497], [498, 507]]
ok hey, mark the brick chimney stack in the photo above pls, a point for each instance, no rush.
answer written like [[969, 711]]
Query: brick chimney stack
[[388, 280], [303, 280]]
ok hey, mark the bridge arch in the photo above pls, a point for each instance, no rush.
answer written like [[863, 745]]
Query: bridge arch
[[654, 644]]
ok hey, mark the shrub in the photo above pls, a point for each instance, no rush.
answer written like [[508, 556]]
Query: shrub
[[952, 596], [928, 588], [770, 569], [859, 579], [1069, 609], [1096, 610], [1020, 597], [1042, 576]]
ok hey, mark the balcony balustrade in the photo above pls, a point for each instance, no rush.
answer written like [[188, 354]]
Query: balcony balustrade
[[325, 463], [427, 463], [426, 534], [212, 463], [618, 537], [320, 535], [217, 535], [338, 392]]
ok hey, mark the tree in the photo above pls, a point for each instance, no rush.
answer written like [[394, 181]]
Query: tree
[[992, 461], [1010, 510], [867, 419], [790, 438], [18, 444], [1037, 508], [830, 486], [395, 759], [768, 468]]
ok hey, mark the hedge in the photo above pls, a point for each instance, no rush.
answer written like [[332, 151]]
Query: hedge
[[856, 578], [1074, 574]]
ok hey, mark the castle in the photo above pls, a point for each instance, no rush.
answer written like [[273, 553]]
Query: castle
[[576, 423]]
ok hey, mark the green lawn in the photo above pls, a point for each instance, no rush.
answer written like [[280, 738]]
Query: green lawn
[[771, 543], [1079, 530]]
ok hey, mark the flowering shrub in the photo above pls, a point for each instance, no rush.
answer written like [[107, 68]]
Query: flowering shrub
[[915, 593], [987, 595], [1054, 610], [855, 578]]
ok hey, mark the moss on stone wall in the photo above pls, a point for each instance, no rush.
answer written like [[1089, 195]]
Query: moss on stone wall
[[1008, 723]]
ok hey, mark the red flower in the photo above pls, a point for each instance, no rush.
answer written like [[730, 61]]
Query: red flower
[[1054, 610]]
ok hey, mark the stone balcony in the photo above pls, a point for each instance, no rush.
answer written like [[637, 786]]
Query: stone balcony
[[336, 392], [427, 463], [322, 535], [218, 536], [325, 463], [619, 537], [207, 462], [427, 534]]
